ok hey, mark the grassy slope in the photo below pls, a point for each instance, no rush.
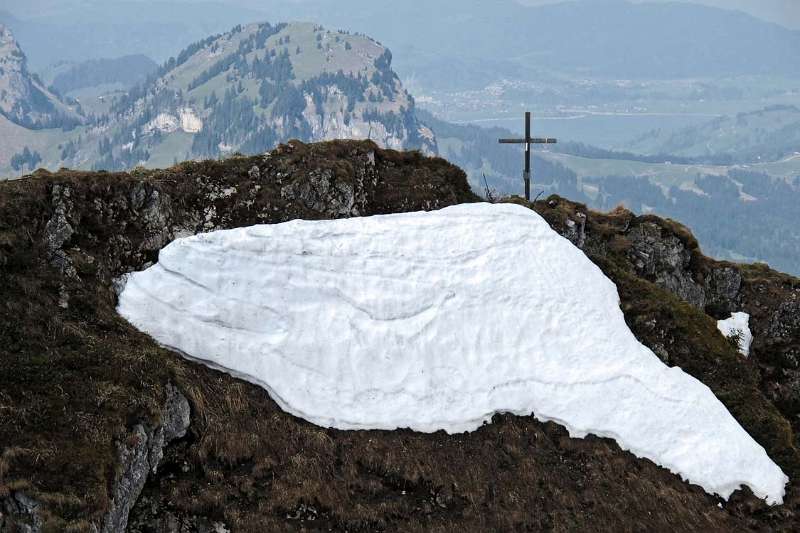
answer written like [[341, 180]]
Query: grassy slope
[[14, 139]]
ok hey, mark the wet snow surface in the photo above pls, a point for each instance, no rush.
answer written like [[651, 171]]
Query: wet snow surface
[[437, 321]]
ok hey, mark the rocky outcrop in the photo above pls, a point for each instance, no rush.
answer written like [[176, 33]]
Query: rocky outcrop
[[140, 455], [104, 412], [664, 259], [20, 514], [24, 99], [665, 253], [58, 230]]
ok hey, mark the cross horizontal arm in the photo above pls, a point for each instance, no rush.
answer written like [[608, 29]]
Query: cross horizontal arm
[[535, 140]]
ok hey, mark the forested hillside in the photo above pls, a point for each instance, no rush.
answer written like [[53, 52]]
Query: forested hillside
[[244, 90]]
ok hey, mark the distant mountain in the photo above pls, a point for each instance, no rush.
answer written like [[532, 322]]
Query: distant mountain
[[89, 29], [765, 135], [478, 41], [244, 90], [453, 42], [124, 72], [24, 100]]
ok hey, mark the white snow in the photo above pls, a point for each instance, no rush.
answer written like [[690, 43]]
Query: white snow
[[436, 321], [190, 122], [186, 121], [738, 325], [164, 122]]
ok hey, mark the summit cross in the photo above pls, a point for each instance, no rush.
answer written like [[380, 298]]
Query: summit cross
[[527, 141]]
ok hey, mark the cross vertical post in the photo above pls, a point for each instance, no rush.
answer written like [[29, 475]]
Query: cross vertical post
[[527, 141], [527, 175]]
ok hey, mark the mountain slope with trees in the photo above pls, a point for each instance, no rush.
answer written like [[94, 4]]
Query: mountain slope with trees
[[246, 90], [607, 39]]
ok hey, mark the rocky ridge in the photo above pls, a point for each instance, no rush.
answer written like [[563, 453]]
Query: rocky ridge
[[99, 421]]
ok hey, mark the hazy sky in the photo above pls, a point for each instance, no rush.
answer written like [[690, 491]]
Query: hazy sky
[[785, 12]]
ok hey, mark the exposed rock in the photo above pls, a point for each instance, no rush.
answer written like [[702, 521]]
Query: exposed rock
[[321, 192], [154, 212], [141, 454], [723, 287], [58, 230], [19, 513], [176, 418], [664, 259], [24, 99], [575, 230]]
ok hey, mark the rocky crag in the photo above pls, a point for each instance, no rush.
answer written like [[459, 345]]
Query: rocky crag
[[103, 429], [24, 98]]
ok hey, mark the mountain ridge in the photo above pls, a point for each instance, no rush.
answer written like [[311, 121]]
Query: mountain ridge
[[246, 90], [767, 134]]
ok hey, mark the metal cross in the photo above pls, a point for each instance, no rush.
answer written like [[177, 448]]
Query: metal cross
[[527, 141]]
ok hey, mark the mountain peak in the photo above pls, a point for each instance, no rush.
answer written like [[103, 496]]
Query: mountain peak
[[259, 84], [23, 97]]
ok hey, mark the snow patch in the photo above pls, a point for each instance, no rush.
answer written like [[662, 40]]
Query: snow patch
[[436, 321], [190, 122], [186, 121], [738, 325], [164, 122]]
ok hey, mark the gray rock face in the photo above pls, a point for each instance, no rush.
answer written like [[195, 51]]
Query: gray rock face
[[23, 97], [58, 230], [19, 513], [155, 213], [665, 260], [321, 192], [576, 230], [140, 454], [782, 330], [658, 255], [723, 291]]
